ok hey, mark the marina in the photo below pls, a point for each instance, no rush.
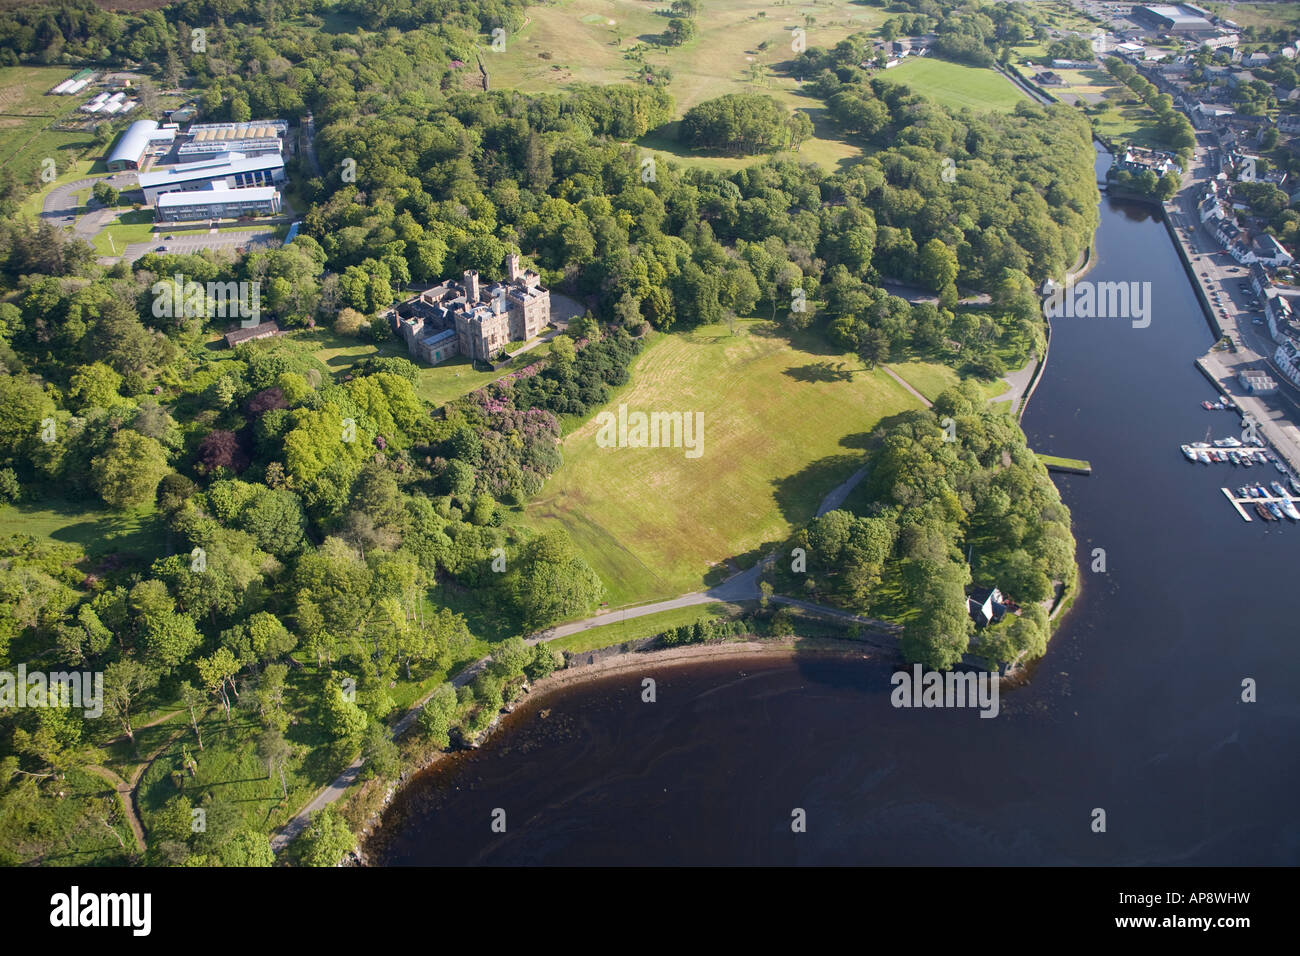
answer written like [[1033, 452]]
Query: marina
[[1268, 506], [1270, 500]]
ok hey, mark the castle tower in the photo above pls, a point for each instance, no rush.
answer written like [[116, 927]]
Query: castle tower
[[471, 285], [512, 267]]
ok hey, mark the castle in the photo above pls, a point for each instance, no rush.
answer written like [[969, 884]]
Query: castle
[[466, 317]]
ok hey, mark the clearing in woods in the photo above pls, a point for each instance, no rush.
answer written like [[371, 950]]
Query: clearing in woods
[[738, 44]]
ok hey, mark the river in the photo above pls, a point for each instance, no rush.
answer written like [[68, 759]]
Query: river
[[1136, 709]]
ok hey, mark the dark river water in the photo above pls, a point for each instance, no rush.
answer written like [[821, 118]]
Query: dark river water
[[1136, 708]]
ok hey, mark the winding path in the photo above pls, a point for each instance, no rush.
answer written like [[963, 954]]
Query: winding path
[[127, 793]]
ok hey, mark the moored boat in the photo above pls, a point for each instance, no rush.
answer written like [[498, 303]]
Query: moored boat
[[1262, 512], [1275, 511], [1289, 509], [1278, 488], [1187, 451]]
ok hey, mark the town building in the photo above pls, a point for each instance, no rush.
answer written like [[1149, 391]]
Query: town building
[[1136, 159], [1257, 382], [467, 317]]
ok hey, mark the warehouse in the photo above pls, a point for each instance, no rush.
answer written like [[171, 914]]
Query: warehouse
[[1172, 19]]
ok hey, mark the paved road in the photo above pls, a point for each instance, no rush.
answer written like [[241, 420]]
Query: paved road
[[309, 143], [1217, 272], [60, 208]]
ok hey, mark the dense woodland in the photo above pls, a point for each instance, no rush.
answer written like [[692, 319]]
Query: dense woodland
[[316, 531], [946, 507]]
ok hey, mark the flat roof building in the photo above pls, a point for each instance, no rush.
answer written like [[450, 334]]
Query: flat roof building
[[233, 171], [1179, 20], [217, 203]]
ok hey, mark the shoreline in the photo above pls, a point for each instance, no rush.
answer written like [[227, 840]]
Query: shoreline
[[753, 648]]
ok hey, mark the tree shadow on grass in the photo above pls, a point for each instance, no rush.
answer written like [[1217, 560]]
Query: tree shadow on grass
[[821, 372]]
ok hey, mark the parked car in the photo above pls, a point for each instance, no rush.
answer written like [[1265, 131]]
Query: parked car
[[161, 249]]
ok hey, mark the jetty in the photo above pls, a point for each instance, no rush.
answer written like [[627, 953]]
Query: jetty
[[1070, 466]]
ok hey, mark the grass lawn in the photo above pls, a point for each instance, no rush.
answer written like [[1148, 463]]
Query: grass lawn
[[135, 225], [955, 85], [618, 631], [782, 426], [437, 384], [932, 378], [97, 531], [588, 41]]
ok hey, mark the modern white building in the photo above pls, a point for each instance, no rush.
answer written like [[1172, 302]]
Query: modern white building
[[217, 203], [230, 171]]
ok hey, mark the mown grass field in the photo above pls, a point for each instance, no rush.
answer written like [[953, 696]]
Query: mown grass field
[[26, 111], [738, 45], [931, 378], [783, 424], [955, 85]]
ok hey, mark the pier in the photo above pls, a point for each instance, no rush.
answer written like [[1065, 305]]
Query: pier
[[1238, 501]]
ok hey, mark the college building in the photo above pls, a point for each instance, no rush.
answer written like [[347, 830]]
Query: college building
[[229, 171], [217, 203], [467, 317]]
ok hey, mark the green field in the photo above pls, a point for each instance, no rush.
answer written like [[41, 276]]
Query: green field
[[955, 85], [606, 41], [26, 112], [782, 426]]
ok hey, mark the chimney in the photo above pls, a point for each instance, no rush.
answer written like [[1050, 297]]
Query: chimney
[[512, 267], [471, 285]]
